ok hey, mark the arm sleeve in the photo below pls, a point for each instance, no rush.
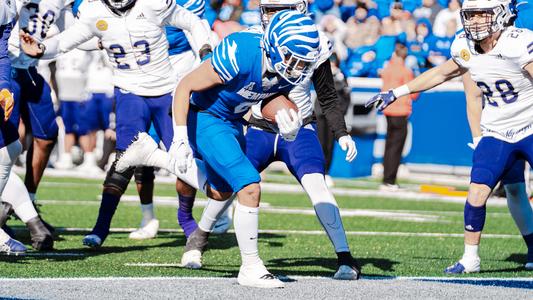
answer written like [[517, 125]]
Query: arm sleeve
[[199, 29], [69, 39], [328, 100], [5, 63]]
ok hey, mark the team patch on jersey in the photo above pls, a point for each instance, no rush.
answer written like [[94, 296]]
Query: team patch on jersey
[[465, 55], [101, 25]]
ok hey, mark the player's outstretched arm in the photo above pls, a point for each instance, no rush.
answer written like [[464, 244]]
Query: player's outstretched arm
[[427, 80], [473, 108], [64, 42]]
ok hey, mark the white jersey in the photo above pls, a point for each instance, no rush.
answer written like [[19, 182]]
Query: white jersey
[[8, 11], [135, 42], [507, 88], [35, 17], [100, 74], [71, 75], [301, 93]]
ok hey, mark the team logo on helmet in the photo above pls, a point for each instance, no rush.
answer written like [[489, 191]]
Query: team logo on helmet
[[292, 45]]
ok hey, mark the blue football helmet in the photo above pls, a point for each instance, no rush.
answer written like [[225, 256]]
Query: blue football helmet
[[292, 45], [120, 5]]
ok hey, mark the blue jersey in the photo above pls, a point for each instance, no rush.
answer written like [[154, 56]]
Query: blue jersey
[[177, 41], [524, 17], [237, 61], [5, 63]]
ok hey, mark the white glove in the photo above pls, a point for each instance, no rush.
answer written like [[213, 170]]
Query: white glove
[[348, 145], [289, 123], [180, 150], [475, 142]]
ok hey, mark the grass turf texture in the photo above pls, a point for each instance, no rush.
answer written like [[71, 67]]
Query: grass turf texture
[[284, 254]]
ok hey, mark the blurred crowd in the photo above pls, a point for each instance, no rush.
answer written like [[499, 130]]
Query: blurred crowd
[[364, 32]]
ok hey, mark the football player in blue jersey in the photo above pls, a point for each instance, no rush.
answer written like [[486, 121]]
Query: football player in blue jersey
[[245, 68], [9, 145], [303, 156], [514, 180]]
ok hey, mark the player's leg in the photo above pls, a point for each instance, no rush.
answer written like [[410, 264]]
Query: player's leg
[[526, 146], [40, 115], [133, 116], [69, 111], [491, 158], [305, 160], [396, 135], [221, 145], [144, 179], [87, 135]]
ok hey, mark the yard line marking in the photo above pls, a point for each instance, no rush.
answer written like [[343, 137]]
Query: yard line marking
[[57, 254], [316, 232], [154, 278]]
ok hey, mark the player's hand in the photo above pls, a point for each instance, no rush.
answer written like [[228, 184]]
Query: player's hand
[[381, 100], [348, 145], [7, 102], [475, 142], [180, 150], [30, 46], [289, 123]]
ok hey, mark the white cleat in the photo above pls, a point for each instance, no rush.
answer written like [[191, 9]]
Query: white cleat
[[223, 224], [138, 152], [258, 276], [346, 272], [529, 266], [192, 259], [146, 232]]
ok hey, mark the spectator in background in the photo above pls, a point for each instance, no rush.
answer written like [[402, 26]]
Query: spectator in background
[[418, 48], [428, 10], [445, 16], [336, 30], [439, 47], [229, 15], [395, 74], [385, 45], [250, 15]]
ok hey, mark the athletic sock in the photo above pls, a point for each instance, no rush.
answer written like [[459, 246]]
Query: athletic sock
[[105, 214], [147, 212], [471, 251], [185, 217], [212, 212], [529, 242], [4, 237], [246, 224]]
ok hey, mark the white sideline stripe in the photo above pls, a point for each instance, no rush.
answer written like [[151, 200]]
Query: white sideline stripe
[[55, 279], [318, 232], [58, 254], [390, 215]]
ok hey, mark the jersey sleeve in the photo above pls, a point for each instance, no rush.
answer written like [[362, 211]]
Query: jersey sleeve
[[197, 7], [224, 59], [80, 32], [526, 48], [460, 50], [5, 64], [326, 48]]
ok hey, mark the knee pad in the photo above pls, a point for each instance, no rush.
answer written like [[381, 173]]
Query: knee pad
[[474, 217], [118, 180], [144, 174]]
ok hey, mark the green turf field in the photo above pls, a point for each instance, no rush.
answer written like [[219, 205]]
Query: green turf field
[[285, 253]]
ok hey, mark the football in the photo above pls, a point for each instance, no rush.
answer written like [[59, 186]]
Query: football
[[271, 106]]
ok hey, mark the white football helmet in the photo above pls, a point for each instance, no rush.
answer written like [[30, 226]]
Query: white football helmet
[[269, 7], [481, 18]]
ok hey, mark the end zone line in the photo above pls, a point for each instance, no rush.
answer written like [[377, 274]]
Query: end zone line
[[316, 232]]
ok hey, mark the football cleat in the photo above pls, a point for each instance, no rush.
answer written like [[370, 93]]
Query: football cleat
[[195, 246], [12, 247], [138, 153], [192, 259], [529, 264], [346, 272], [461, 267], [41, 237], [258, 276], [92, 241], [223, 223], [146, 232]]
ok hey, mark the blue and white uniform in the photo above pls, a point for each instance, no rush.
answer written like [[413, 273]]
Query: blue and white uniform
[[507, 116], [138, 50], [215, 118]]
